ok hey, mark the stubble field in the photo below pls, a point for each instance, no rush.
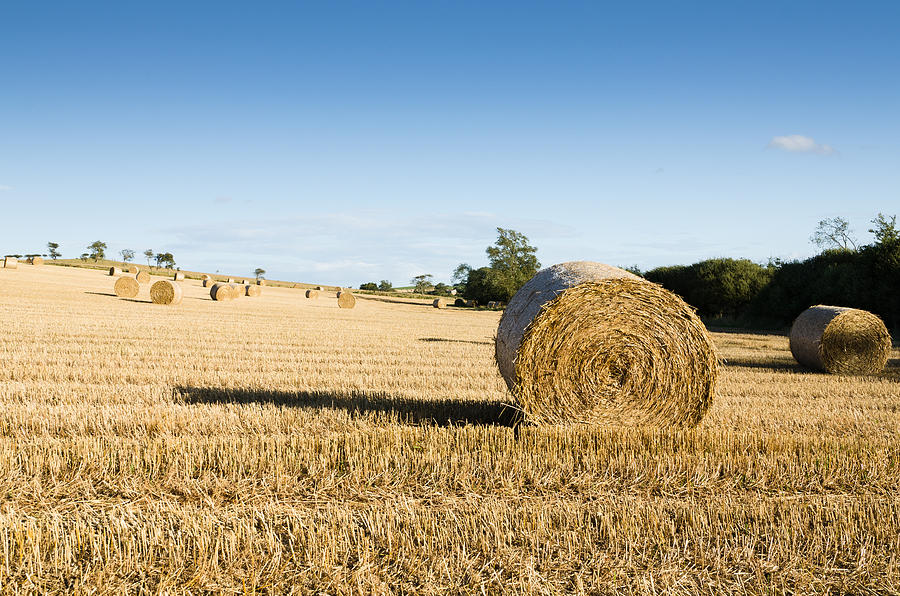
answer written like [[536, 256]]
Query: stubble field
[[278, 444]]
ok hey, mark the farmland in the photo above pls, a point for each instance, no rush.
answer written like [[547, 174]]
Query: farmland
[[274, 444]]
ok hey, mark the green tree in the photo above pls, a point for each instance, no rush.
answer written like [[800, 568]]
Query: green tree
[[127, 254], [423, 283], [385, 286], [370, 285], [259, 272], [513, 262], [149, 254], [97, 250], [85, 256], [54, 250], [885, 230], [834, 233], [165, 258]]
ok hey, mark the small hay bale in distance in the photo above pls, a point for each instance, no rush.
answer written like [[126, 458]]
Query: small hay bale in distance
[[319, 288], [221, 291], [312, 294], [126, 287], [439, 303], [143, 277], [204, 277], [208, 282], [260, 282], [179, 276], [166, 291], [459, 302], [471, 303], [253, 290], [10, 263], [346, 299], [840, 340], [114, 271], [36, 261], [589, 343], [230, 280], [132, 269]]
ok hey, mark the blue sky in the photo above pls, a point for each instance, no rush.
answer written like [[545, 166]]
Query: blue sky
[[352, 141]]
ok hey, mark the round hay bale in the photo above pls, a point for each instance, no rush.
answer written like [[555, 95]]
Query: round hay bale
[[839, 340], [208, 282], [471, 303], [221, 291], [260, 282], [230, 280], [346, 299], [126, 287], [459, 302], [36, 261], [10, 263], [586, 342], [166, 291], [439, 303], [179, 276], [312, 294], [143, 277], [253, 290], [114, 271], [319, 288], [132, 269], [237, 290], [205, 277]]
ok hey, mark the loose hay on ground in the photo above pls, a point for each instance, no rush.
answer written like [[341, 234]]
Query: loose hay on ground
[[840, 340], [586, 342]]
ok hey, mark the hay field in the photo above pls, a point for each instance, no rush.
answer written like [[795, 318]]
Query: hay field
[[282, 444]]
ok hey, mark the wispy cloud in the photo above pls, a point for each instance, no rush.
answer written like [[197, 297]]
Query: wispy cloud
[[4, 188], [800, 144], [222, 200]]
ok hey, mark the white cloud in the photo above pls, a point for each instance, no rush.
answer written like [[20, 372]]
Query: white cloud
[[800, 144], [5, 188], [222, 200]]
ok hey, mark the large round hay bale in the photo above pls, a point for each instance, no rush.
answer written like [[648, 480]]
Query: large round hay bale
[[10, 263], [839, 340], [586, 342], [439, 303], [319, 288], [143, 277], [312, 294], [126, 287], [166, 291], [114, 271], [221, 291], [179, 276], [346, 299], [36, 261], [253, 290]]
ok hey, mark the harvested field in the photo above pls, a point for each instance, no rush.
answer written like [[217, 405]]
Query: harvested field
[[369, 451]]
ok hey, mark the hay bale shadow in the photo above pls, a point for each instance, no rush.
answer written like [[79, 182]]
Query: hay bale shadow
[[777, 365], [457, 341], [438, 412]]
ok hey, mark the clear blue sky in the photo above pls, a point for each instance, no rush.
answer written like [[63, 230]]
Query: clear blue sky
[[341, 142]]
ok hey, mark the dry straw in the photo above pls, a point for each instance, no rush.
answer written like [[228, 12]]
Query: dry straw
[[179, 276], [839, 340], [312, 294], [221, 291], [208, 282], [10, 263], [586, 342], [260, 282], [36, 261], [114, 271], [126, 287], [237, 290], [253, 290], [346, 299], [132, 269], [439, 303], [166, 291], [143, 277]]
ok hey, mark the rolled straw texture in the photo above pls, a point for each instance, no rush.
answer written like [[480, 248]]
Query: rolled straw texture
[[143, 277], [220, 292], [36, 261], [312, 294], [114, 271], [439, 303], [840, 340], [346, 299], [132, 269], [589, 343], [253, 290], [126, 287], [166, 291], [10, 263], [237, 291], [179, 276]]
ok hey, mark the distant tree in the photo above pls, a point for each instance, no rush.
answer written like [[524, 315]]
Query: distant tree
[[513, 262], [97, 250], [127, 254], [85, 256], [634, 269], [149, 254], [54, 250], [834, 233], [885, 230], [259, 272], [166, 259], [423, 283], [441, 289], [385, 286], [371, 285]]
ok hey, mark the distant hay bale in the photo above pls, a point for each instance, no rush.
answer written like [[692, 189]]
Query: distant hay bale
[[319, 288], [586, 342], [208, 282], [493, 304], [240, 282], [126, 287], [312, 294], [221, 291], [459, 302], [439, 303], [10, 263], [237, 291], [36, 261], [346, 299], [471, 303], [253, 290], [839, 340], [114, 271], [166, 291], [260, 282], [230, 280], [179, 276], [205, 277], [132, 269], [143, 277]]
